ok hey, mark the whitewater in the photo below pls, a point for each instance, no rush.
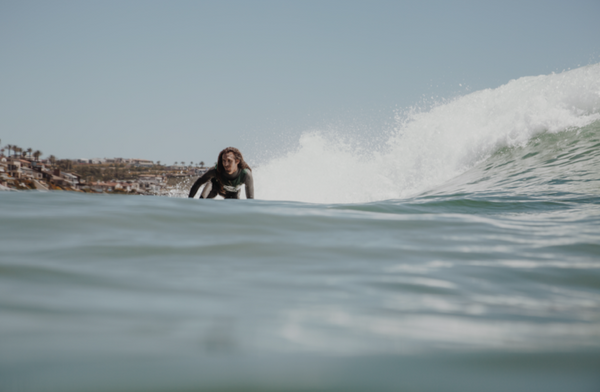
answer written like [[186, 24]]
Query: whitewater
[[457, 251]]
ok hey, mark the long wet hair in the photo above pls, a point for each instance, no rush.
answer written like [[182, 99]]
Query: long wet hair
[[221, 169]]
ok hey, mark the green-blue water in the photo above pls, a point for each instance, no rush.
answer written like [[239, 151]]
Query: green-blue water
[[489, 281]]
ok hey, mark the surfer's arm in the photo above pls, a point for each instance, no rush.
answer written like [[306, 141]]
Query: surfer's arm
[[201, 181], [249, 185]]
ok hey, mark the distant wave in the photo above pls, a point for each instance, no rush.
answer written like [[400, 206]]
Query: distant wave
[[430, 148]]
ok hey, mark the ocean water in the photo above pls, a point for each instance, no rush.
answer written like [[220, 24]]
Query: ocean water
[[462, 253]]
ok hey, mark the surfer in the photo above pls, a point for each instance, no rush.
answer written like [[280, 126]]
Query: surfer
[[226, 178]]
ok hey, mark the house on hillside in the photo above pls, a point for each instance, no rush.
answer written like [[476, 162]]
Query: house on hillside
[[25, 163], [71, 179], [22, 169], [142, 162], [30, 174], [14, 168]]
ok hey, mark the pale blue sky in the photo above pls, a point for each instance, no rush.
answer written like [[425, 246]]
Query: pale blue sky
[[180, 80]]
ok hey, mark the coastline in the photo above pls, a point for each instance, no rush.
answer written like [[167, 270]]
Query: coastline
[[112, 176]]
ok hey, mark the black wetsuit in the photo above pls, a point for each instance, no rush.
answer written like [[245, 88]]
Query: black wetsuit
[[231, 189]]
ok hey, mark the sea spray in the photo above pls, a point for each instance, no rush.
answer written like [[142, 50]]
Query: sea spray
[[179, 187], [430, 147]]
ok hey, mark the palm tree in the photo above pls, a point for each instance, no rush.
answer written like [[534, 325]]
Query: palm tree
[[29, 150], [9, 147], [37, 154], [52, 159], [201, 163]]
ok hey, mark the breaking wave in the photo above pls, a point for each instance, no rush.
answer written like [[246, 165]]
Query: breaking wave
[[549, 116]]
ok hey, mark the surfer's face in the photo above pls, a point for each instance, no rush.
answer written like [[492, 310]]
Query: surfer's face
[[230, 163]]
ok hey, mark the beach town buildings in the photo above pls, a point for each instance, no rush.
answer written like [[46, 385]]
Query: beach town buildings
[[131, 161], [26, 173], [22, 173]]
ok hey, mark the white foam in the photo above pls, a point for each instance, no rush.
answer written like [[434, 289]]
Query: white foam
[[430, 147]]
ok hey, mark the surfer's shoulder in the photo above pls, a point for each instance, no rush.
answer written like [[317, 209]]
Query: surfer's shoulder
[[247, 174]]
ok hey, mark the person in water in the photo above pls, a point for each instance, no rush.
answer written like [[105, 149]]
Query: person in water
[[226, 178]]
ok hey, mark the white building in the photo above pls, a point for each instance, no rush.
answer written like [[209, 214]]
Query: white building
[[72, 179]]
